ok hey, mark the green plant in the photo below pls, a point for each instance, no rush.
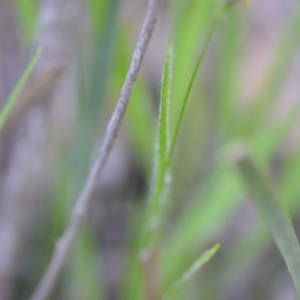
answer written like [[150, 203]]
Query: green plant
[[195, 198], [4, 114]]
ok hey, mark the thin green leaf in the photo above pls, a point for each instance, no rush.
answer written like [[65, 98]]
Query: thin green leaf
[[216, 21], [194, 268], [191, 19], [272, 212], [98, 10], [199, 263], [92, 84], [289, 184], [207, 215], [229, 57], [164, 116], [18, 89], [162, 145], [27, 13]]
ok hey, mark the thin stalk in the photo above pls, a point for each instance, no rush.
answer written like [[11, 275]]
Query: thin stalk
[[84, 201]]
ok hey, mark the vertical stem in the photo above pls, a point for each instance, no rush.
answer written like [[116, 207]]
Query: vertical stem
[[83, 204]]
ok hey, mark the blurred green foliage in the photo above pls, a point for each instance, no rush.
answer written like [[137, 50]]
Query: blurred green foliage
[[206, 192]]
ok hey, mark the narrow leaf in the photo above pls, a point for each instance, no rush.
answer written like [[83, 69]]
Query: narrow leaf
[[215, 206], [272, 213], [199, 263], [18, 89], [213, 26], [194, 268], [162, 144]]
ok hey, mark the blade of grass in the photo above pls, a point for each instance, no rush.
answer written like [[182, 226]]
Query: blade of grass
[[289, 184], [192, 270], [18, 88], [227, 76], [27, 13], [92, 91], [216, 21], [160, 179], [212, 208], [199, 263], [272, 213], [97, 10], [191, 19], [161, 175], [170, 268]]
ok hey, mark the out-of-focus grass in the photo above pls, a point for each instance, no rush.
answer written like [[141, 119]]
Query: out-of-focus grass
[[5, 111], [191, 271], [199, 214], [27, 17], [161, 173], [272, 212]]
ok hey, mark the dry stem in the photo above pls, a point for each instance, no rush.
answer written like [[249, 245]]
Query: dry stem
[[83, 204]]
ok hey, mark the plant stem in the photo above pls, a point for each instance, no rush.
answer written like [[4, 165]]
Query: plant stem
[[83, 204]]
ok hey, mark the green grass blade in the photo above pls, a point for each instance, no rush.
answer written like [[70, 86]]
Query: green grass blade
[[229, 58], [164, 117], [27, 16], [191, 19], [272, 213], [92, 88], [289, 183], [162, 144], [193, 269], [201, 220], [216, 21], [199, 263], [98, 10], [18, 89]]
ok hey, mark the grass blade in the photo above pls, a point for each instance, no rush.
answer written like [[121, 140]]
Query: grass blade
[[273, 214], [27, 17], [162, 145], [193, 269], [229, 58], [199, 263], [191, 20], [18, 89], [289, 185], [201, 220], [220, 12]]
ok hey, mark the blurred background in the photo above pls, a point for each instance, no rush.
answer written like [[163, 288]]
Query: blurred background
[[247, 88]]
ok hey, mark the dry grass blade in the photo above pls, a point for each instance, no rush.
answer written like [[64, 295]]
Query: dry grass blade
[[83, 204]]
